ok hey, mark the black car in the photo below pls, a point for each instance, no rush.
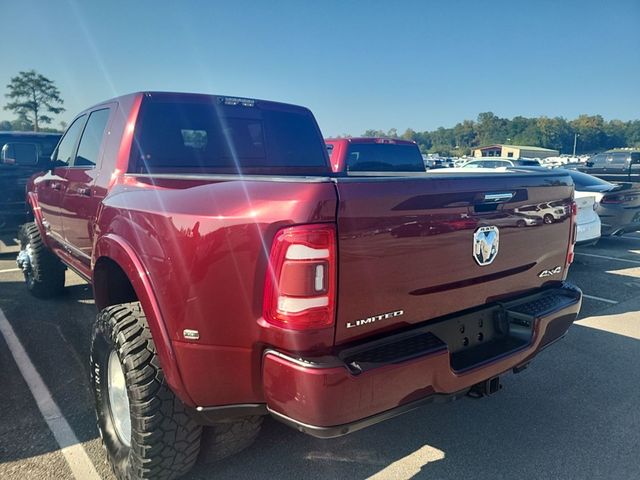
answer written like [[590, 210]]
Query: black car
[[21, 155]]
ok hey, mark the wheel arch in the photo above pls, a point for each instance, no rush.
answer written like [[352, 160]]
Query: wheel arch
[[34, 208], [116, 263]]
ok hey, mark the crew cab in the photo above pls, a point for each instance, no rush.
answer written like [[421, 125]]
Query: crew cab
[[238, 273]]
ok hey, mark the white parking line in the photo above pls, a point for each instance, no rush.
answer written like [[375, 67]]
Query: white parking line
[[10, 270], [600, 299], [608, 258], [70, 446], [411, 465]]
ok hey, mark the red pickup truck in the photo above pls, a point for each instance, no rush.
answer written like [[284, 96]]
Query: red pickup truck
[[388, 155], [237, 274]]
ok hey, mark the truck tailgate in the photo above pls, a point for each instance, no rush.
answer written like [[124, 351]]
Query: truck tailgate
[[407, 249]]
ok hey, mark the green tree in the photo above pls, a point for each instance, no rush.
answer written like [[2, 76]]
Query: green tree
[[5, 125], [491, 129], [465, 134], [595, 134], [632, 133], [590, 129], [409, 134], [615, 130], [374, 133], [33, 97], [21, 125]]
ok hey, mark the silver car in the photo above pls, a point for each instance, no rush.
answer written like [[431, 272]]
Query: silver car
[[618, 203]]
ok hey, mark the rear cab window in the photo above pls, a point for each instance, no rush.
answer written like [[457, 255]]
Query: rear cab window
[[218, 135], [384, 157]]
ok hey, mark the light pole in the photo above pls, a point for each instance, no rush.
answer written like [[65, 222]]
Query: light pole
[[575, 140]]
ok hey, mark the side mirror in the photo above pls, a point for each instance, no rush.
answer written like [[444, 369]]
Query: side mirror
[[19, 154], [589, 164]]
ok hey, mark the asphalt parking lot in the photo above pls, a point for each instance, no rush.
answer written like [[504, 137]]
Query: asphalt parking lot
[[573, 414]]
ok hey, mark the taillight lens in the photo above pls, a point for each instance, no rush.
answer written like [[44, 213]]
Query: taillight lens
[[574, 233], [612, 199], [300, 287], [618, 198]]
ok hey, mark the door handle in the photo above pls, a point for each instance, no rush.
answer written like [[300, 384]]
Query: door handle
[[84, 191], [56, 186]]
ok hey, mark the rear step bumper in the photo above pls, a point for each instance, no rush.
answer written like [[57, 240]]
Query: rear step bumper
[[364, 384]]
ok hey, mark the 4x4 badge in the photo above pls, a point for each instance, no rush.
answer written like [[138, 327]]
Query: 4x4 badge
[[548, 273]]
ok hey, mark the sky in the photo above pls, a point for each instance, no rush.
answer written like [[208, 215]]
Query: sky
[[356, 64]]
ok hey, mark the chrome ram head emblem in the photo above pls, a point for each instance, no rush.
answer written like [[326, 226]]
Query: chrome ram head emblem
[[486, 241]]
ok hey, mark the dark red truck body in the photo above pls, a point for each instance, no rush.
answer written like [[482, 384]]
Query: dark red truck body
[[413, 313]]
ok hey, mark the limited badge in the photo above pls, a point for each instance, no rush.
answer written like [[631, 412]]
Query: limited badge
[[486, 241]]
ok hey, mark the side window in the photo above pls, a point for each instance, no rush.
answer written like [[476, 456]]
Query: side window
[[619, 159], [68, 142], [92, 139], [599, 160]]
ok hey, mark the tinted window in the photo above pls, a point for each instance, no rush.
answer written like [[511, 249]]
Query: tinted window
[[619, 159], [47, 146], [68, 142], [217, 138], [92, 139], [599, 160], [384, 157]]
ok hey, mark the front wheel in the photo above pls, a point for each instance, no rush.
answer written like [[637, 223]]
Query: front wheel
[[145, 428], [43, 271]]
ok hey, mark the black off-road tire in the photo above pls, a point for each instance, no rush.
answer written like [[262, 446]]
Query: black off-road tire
[[45, 276], [548, 219], [165, 441], [228, 438]]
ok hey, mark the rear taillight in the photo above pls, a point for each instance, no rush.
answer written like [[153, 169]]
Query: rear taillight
[[300, 287], [611, 199], [574, 233], [618, 198]]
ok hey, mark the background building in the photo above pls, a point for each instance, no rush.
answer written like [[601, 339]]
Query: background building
[[514, 151]]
